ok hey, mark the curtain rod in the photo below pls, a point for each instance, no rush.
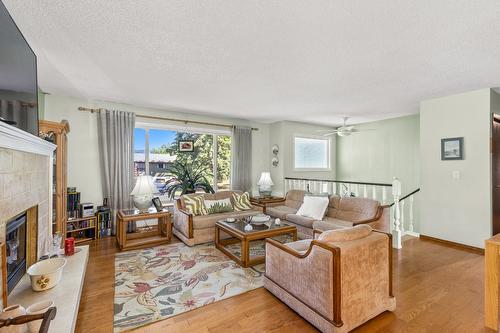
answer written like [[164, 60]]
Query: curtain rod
[[81, 108]]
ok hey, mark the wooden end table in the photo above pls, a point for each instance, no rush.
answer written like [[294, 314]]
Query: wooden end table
[[239, 234], [148, 236], [264, 202]]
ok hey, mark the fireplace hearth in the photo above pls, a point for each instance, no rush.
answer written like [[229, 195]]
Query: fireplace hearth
[[15, 237]]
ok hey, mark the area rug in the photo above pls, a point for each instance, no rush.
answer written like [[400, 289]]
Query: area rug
[[157, 283]]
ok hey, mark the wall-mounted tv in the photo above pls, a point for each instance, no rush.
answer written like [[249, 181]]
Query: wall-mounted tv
[[18, 79]]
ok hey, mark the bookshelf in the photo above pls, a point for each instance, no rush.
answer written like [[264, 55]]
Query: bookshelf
[[80, 226], [103, 222], [83, 229]]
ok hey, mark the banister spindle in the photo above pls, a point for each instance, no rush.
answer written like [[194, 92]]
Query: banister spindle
[[384, 195], [402, 224], [374, 192], [365, 191], [411, 228], [396, 232]]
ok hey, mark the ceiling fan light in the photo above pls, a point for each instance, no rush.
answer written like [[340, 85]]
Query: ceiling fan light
[[344, 133]]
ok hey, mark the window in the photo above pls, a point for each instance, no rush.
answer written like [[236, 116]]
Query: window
[[139, 149], [223, 162], [311, 153], [155, 151]]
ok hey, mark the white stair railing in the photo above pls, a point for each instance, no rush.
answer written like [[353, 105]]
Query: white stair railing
[[396, 231], [402, 215], [340, 187], [398, 226]]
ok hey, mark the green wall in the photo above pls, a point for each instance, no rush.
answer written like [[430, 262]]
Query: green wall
[[41, 105], [385, 149]]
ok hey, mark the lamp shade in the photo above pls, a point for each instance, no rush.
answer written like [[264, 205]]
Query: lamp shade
[[144, 185], [265, 179]]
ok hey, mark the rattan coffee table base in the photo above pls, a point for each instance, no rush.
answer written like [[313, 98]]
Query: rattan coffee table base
[[245, 238]]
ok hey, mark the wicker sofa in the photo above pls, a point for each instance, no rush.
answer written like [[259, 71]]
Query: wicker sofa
[[193, 229], [342, 212]]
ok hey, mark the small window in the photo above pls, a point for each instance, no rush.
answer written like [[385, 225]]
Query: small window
[[311, 153]]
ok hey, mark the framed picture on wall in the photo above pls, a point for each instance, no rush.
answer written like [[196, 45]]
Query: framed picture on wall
[[186, 146], [452, 149]]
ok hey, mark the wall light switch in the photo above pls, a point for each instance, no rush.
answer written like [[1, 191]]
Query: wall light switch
[[455, 174]]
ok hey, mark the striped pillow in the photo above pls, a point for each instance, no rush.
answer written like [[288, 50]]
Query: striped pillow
[[241, 201], [195, 204]]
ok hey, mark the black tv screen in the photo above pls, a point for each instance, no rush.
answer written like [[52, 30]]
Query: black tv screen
[[18, 80]]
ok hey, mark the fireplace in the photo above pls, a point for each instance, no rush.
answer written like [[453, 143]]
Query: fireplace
[[15, 237]]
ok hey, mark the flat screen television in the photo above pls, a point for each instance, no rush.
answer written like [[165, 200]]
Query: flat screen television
[[18, 79]]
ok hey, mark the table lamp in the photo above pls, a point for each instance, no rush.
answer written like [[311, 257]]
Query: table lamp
[[143, 193], [265, 183]]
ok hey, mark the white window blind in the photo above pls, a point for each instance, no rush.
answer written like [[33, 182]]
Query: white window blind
[[311, 153]]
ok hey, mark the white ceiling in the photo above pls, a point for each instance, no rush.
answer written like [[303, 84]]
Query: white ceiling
[[312, 61]]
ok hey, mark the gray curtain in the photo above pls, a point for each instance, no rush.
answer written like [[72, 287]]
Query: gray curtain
[[116, 149], [241, 170]]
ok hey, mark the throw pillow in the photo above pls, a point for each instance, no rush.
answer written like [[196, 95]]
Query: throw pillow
[[241, 201], [195, 204], [218, 206], [313, 207], [347, 234]]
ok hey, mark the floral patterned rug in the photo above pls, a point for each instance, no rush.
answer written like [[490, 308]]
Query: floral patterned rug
[[157, 283]]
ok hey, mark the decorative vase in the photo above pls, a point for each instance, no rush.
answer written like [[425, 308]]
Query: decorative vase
[[37, 308], [265, 192], [11, 312], [143, 202]]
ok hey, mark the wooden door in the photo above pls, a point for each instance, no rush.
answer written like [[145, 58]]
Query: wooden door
[[495, 149]]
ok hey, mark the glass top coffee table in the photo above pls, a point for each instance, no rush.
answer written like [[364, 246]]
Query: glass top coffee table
[[239, 235]]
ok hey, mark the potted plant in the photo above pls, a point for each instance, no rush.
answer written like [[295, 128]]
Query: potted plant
[[187, 178]]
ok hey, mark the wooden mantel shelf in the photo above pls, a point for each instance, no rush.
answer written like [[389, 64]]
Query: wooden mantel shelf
[[13, 138]]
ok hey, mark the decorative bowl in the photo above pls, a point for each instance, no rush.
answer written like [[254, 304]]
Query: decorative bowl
[[230, 220], [46, 274], [260, 219]]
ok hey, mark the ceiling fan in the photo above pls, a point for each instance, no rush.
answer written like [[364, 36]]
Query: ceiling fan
[[344, 130]]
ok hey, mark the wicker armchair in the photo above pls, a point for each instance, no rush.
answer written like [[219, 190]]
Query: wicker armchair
[[335, 285]]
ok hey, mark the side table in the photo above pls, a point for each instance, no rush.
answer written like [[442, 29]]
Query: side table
[[149, 236], [265, 202]]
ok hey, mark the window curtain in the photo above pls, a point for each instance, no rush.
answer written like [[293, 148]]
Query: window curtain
[[116, 149], [241, 170]]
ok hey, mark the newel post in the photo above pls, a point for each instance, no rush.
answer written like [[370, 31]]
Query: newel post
[[396, 230]]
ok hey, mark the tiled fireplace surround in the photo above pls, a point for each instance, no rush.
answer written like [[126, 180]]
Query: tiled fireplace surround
[[25, 183]]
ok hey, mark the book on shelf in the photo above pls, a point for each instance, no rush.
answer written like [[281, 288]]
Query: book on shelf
[[104, 221]]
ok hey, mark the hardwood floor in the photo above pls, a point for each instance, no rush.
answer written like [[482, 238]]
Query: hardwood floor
[[438, 288]]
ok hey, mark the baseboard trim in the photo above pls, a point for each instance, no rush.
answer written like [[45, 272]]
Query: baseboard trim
[[412, 233], [469, 248]]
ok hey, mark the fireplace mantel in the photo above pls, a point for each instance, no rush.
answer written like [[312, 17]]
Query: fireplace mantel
[[26, 185], [13, 138]]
